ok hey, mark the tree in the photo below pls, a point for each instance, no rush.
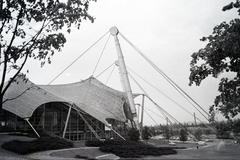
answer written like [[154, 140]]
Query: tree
[[134, 134], [198, 133], [34, 29], [207, 131], [175, 132], [146, 133], [167, 133], [223, 130], [183, 135], [236, 126], [221, 54]]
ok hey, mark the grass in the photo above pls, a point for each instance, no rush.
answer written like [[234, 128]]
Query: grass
[[36, 145], [130, 149]]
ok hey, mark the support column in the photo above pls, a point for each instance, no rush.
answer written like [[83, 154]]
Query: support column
[[89, 126], [121, 78], [66, 123], [116, 132], [195, 118], [26, 119], [114, 31], [141, 127], [44, 116]]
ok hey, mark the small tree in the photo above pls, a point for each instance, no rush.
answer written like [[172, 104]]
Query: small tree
[[198, 133], [134, 134], [183, 135], [146, 133], [167, 133], [207, 131], [176, 132], [223, 130]]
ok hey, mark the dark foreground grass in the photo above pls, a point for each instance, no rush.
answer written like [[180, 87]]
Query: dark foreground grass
[[130, 149], [39, 144]]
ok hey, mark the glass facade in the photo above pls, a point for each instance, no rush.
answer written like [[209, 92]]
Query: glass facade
[[51, 118]]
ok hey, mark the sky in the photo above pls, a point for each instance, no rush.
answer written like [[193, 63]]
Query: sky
[[167, 32]]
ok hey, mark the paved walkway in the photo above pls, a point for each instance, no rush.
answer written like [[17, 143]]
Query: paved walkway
[[46, 155], [67, 154]]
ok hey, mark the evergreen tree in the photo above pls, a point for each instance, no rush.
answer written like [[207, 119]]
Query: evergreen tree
[[167, 133], [146, 133], [183, 135]]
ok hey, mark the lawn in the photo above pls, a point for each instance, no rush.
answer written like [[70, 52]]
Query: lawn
[[179, 144], [219, 149]]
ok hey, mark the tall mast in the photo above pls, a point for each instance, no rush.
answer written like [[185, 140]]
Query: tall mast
[[124, 75], [141, 126]]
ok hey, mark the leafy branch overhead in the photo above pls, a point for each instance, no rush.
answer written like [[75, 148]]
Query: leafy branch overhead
[[221, 54], [36, 25], [35, 29]]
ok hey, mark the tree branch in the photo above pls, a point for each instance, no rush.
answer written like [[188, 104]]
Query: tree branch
[[26, 57], [18, 95], [8, 50], [14, 77]]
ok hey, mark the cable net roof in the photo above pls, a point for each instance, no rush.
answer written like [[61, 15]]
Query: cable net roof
[[90, 95]]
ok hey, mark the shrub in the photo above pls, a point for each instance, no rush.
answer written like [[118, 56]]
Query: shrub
[[79, 156], [146, 133], [134, 134], [94, 143], [130, 149], [39, 144]]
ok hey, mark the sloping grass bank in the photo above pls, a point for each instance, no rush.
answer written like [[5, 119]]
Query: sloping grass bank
[[130, 149]]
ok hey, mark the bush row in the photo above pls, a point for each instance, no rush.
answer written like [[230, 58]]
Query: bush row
[[39, 144], [130, 149], [98, 143]]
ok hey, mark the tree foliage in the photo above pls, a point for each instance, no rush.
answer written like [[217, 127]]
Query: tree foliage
[[225, 128], [183, 135], [221, 54], [146, 133], [167, 133], [134, 134], [198, 133], [34, 29]]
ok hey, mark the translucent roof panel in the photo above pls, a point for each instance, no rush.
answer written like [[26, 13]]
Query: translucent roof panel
[[90, 95], [93, 97], [22, 98]]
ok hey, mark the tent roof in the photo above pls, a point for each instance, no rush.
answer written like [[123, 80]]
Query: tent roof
[[90, 95]]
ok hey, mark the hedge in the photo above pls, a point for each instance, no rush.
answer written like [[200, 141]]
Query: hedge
[[39, 144]]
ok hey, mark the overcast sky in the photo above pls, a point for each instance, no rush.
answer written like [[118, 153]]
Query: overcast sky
[[167, 32]]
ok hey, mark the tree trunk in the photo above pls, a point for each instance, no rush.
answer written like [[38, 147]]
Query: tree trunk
[[1, 101]]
